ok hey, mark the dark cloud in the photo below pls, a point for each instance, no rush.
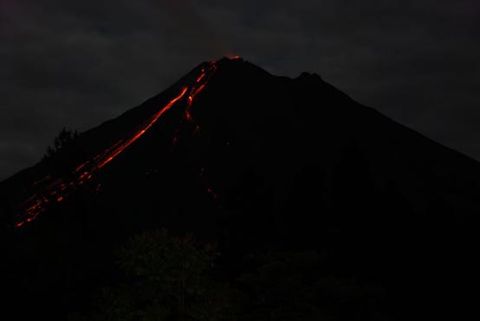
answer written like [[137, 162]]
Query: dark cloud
[[79, 63]]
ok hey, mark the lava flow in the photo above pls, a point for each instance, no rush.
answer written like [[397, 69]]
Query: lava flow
[[57, 190]]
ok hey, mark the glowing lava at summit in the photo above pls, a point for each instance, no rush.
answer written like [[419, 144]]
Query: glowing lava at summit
[[57, 190]]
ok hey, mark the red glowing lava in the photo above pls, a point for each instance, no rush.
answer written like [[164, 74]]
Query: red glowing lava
[[117, 151], [57, 190], [233, 56]]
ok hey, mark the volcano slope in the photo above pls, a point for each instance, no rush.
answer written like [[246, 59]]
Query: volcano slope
[[257, 164]]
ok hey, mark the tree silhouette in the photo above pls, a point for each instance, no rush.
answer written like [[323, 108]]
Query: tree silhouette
[[296, 285], [62, 141], [165, 278]]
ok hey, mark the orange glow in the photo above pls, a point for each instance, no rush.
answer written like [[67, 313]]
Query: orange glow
[[198, 90], [202, 75], [233, 56], [117, 151], [57, 190]]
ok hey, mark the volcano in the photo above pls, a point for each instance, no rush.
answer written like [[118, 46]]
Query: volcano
[[256, 163]]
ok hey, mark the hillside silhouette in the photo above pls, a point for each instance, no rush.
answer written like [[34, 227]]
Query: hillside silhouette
[[305, 193]]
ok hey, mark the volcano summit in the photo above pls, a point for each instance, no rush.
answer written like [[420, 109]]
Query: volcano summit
[[260, 165]]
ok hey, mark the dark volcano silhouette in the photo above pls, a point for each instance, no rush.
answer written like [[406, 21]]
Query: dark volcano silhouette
[[254, 162]]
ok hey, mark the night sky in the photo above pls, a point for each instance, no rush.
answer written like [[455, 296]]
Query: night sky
[[76, 64]]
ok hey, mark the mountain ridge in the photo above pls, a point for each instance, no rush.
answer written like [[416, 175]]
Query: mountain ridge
[[255, 162], [302, 75]]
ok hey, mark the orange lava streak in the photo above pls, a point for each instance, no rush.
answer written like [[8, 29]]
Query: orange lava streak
[[141, 132], [57, 190], [194, 91], [202, 75], [198, 90]]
